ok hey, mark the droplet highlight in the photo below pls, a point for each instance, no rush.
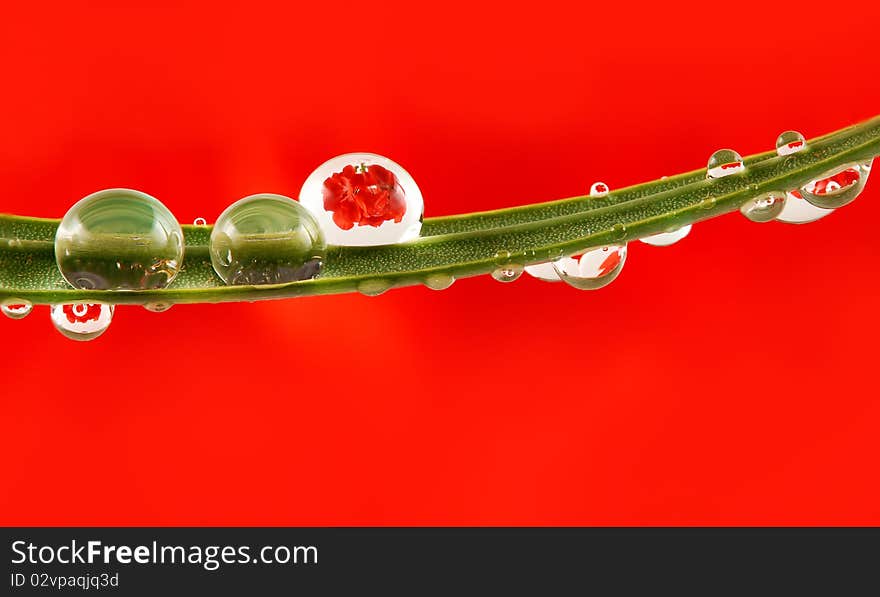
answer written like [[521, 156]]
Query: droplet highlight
[[364, 199], [119, 239], [266, 239], [158, 307], [765, 207], [16, 308], [664, 239], [594, 269], [82, 321], [724, 162], [790, 142]]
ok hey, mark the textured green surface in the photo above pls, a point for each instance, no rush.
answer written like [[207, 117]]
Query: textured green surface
[[459, 245]]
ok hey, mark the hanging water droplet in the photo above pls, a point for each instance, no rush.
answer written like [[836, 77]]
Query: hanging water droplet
[[507, 269], [439, 281], [790, 142], [364, 199], [724, 162], [595, 268], [200, 222], [16, 308], [764, 208], [266, 239], [82, 321], [158, 307], [599, 189], [119, 239], [836, 188], [796, 210], [543, 271], [373, 287], [664, 239]]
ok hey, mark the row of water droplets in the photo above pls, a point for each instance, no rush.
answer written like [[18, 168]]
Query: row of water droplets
[[354, 200], [123, 240], [600, 266]]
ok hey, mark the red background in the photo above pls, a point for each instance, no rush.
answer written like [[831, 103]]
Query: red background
[[730, 379]]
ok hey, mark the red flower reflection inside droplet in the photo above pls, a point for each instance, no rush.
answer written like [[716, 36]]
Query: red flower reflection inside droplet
[[81, 313], [609, 263], [364, 196], [839, 181], [731, 166]]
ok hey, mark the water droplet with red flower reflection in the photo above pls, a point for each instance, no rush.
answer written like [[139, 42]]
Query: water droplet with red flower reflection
[[82, 321], [363, 199]]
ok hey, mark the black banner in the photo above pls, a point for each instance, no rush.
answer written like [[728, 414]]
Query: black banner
[[285, 561]]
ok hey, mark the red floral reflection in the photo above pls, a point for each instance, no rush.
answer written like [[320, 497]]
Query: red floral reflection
[[841, 180], [82, 313], [364, 196]]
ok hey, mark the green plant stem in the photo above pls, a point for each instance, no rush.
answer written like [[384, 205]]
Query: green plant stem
[[458, 246]]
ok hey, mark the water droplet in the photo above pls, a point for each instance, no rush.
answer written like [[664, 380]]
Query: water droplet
[[543, 271], [595, 268], [364, 199], [836, 188], [707, 202], [16, 308], [664, 239], [158, 307], [790, 142], [724, 162], [373, 287], [599, 189], [82, 321], [119, 239], [266, 239], [439, 281], [508, 270], [796, 210], [200, 222], [764, 208]]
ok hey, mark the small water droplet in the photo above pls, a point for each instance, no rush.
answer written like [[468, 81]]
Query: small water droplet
[[200, 222], [708, 202], [508, 272], [724, 162], [595, 268], [543, 271], [439, 281], [796, 210], [16, 308], [618, 232], [373, 287], [599, 189], [764, 208], [82, 321], [790, 142], [664, 239], [836, 188], [158, 307]]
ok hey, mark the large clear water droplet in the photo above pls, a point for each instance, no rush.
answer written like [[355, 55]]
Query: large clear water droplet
[[790, 142], [796, 210], [364, 199], [266, 239], [836, 188], [765, 207], [119, 239], [82, 321], [724, 162], [595, 268], [664, 239], [16, 308], [598, 190]]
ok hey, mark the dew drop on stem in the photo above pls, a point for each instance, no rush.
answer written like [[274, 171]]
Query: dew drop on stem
[[724, 162], [594, 269], [790, 142], [16, 308], [82, 321]]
